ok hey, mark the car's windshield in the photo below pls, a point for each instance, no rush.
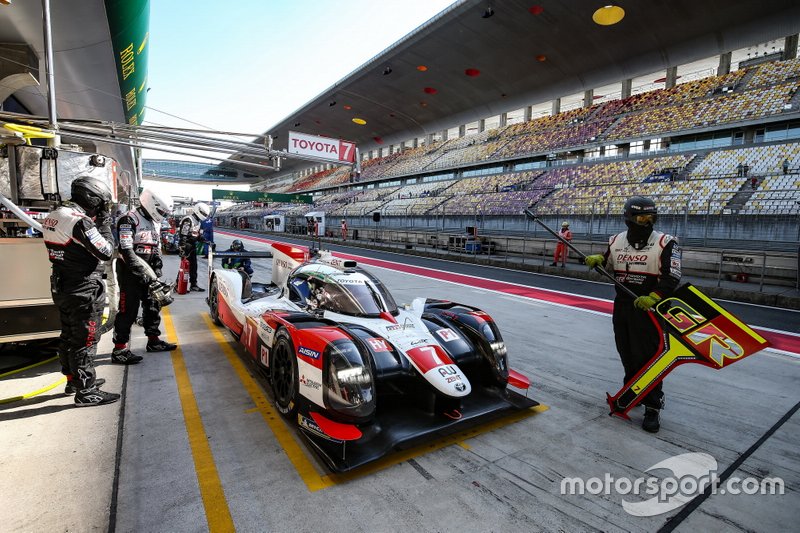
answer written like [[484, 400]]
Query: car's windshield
[[354, 292]]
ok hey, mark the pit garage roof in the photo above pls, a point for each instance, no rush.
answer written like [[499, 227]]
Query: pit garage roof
[[86, 81], [526, 52]]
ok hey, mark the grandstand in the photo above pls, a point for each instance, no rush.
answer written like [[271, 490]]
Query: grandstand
[[722, 143]]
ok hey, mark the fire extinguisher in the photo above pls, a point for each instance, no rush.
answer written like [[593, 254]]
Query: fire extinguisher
[[183, 277]]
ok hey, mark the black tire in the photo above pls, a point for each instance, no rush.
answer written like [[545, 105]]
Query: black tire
[[213, 302], [283, 375]]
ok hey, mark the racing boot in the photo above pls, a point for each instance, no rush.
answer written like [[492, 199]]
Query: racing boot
[[157, 345], [94, 396], [72, 386], [651, 422], [123, 356], [195, 288]]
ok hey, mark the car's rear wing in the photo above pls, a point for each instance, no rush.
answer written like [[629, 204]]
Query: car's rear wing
[[212, 254]]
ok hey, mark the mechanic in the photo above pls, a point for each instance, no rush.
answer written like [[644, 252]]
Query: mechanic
[[344, 230], [77, 247], [207, 230], [561, 248], [138, 269], [237, 263], [190, 235], [648, 263]]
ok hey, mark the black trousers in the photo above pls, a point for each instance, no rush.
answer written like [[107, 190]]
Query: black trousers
[[132, 294], [192, 266], [637, 335], [80, 305]]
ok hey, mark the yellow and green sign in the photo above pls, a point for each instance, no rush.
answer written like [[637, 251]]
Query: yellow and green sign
[[129, 23], [258, 196]]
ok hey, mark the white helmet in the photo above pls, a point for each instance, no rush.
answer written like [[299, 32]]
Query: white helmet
[[201, 210], [156, 205]]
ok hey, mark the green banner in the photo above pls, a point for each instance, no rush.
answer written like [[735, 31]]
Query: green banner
[[129, 23], [258, 196]]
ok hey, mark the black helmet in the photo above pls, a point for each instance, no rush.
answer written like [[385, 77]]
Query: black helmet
[[640, 211], [92, 194], [237, 245]]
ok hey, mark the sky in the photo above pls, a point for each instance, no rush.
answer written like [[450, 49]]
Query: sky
[[244, 65]]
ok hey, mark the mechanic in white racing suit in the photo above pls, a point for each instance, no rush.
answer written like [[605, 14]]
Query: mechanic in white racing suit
[[78, 240], [190, 234], [648, 263], [138, 269]]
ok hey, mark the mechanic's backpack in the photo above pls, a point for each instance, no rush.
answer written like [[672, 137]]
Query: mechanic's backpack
[[182, 287]]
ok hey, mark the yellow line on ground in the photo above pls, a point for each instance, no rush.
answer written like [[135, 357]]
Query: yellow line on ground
[[34, 393], [305, 468], [218, 514]]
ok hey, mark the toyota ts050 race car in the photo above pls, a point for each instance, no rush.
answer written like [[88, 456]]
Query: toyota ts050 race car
[[357, 373]]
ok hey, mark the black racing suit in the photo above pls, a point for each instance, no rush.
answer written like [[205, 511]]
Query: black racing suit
[[653, 265], [77, 248], [139, 247], [189, 233]]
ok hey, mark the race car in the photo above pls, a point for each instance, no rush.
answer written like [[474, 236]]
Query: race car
[[360, 375], [169, 238]]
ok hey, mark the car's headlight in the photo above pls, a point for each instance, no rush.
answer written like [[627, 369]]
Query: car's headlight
[[348, 381]]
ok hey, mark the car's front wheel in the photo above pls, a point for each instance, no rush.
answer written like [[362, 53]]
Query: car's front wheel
[[283, 374], [213, 302]]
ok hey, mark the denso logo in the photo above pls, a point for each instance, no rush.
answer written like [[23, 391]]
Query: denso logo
[[630, 258], [308, 352]]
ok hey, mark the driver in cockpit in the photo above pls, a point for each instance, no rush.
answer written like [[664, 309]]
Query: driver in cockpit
[[237, 263]]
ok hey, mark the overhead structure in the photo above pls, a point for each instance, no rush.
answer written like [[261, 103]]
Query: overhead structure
[[100, 51], [471, 62]]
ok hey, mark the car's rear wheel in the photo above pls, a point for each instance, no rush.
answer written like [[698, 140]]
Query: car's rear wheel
[[283, 375], [213, 302]]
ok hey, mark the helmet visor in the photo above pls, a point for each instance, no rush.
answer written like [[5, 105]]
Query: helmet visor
[[644, 220]]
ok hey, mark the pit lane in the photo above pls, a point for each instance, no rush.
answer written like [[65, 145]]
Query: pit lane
[[201, 448]]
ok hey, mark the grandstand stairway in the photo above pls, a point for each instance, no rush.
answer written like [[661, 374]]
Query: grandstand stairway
[[745, 81], [736, 203], [603, 135], [688, 170], [794, 102]]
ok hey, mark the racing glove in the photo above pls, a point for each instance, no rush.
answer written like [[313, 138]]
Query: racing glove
[[593, 261], [645, 303]]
